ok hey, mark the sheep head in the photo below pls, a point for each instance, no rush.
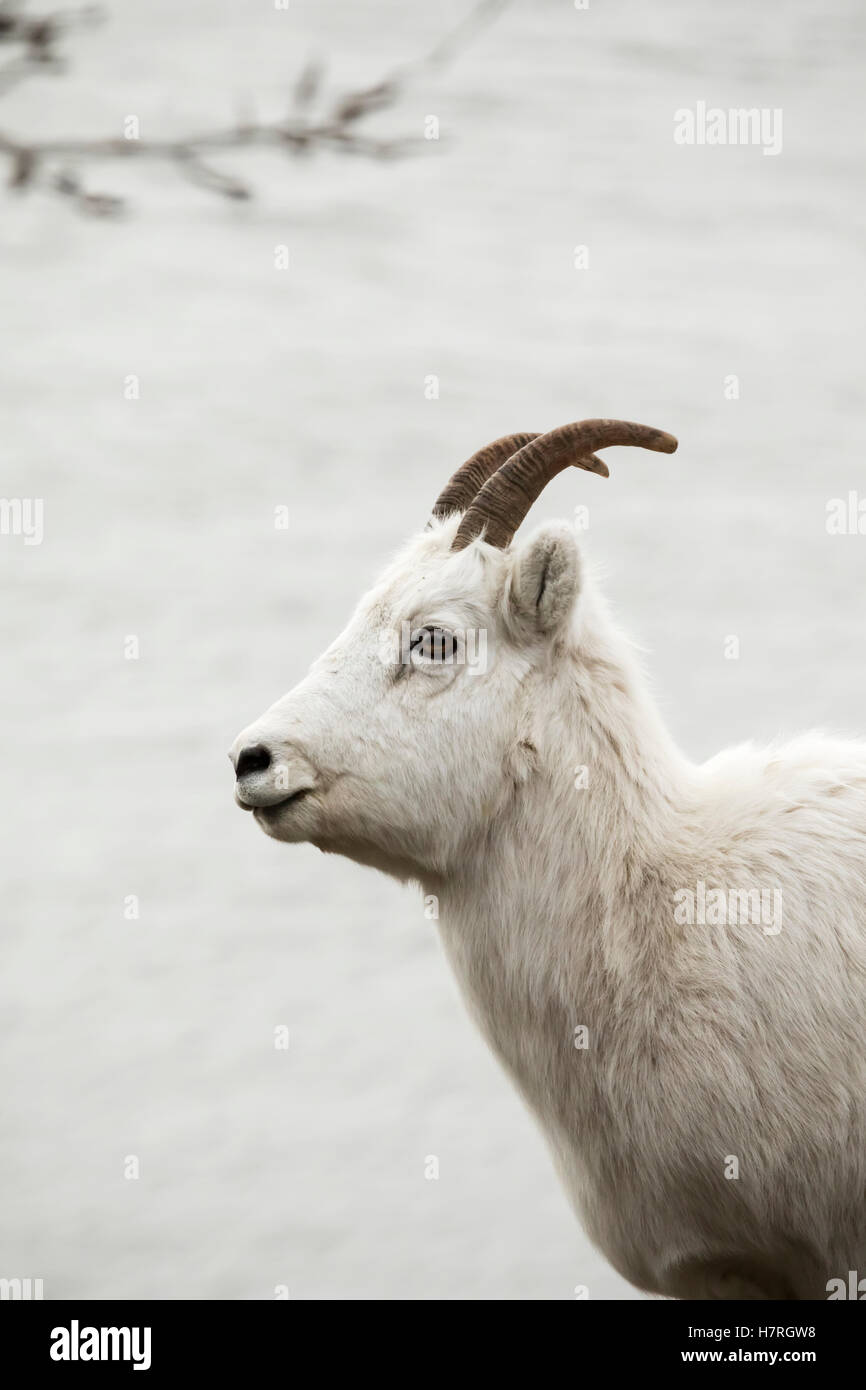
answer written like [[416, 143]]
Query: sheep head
[[414, 728]]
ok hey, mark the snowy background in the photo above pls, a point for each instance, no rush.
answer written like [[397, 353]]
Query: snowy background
[[262, 387]]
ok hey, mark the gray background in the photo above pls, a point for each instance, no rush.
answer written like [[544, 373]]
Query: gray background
[[306, 388]]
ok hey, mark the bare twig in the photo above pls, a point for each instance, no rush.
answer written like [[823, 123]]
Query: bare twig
[[446, 49], [50, 161], [308, 85]]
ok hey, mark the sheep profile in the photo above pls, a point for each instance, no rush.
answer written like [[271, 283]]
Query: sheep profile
[[668, 959]]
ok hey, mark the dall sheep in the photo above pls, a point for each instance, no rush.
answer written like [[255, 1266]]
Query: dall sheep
[[669, 959]]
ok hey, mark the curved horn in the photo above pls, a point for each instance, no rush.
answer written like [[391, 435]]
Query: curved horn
[[464, 485], [506, 497]]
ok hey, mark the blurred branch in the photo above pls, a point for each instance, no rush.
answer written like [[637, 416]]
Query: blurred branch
[[446, 49], [37, 38], [50, 162]]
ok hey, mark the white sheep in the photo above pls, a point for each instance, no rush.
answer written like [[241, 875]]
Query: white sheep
[[669, 959]]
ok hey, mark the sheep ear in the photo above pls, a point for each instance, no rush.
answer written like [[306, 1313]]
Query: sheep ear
[[545, 580]]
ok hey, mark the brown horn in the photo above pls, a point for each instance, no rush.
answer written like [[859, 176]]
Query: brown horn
[[464, 485], [508, 494]]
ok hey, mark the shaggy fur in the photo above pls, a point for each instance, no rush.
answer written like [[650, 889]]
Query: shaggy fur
[[708, 1116]]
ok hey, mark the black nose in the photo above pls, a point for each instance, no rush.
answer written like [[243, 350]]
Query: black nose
[[255, 759]]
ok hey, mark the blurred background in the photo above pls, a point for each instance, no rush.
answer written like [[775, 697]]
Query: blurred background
[[168, 385]]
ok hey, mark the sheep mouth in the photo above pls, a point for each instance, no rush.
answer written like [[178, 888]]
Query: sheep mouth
[[262, 812]]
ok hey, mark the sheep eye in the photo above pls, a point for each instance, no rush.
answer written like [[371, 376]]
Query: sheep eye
[[433, 644]]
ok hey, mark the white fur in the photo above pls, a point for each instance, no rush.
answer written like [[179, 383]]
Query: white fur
[[706, 1044]]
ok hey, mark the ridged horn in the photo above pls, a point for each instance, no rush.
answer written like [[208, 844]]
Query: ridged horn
[[505, 498], [464, 485]]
